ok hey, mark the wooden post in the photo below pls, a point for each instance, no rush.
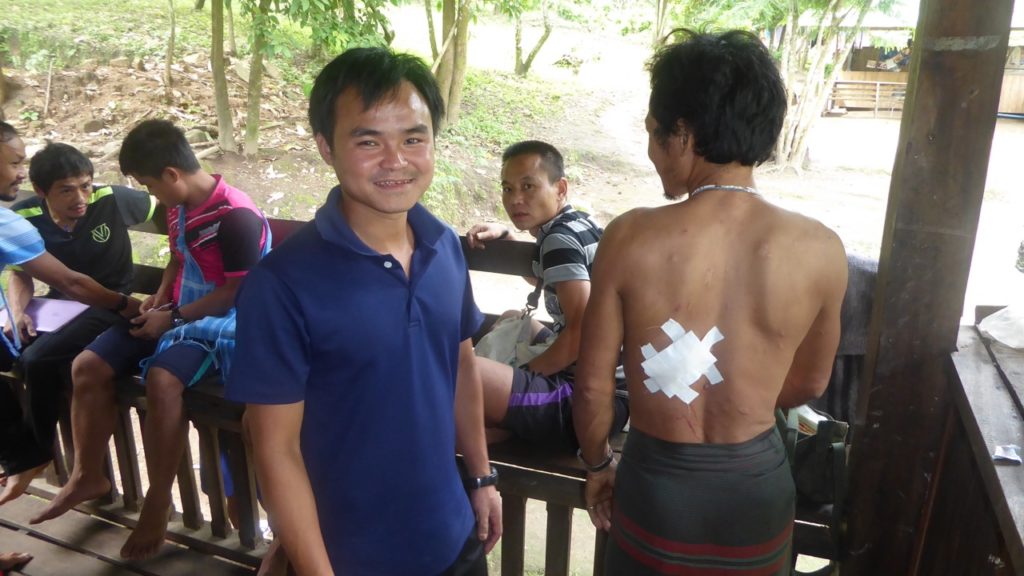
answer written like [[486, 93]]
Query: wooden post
[[932, 217]]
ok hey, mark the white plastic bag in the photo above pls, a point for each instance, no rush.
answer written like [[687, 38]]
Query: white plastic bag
[[1005, 326], [509, 342]]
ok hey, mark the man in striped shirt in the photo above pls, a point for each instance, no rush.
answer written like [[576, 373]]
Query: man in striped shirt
[[534, 401]]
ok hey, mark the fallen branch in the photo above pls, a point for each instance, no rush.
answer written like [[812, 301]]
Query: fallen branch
[[208, 152]]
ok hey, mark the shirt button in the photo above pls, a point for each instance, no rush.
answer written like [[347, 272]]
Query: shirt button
[[387, 263]]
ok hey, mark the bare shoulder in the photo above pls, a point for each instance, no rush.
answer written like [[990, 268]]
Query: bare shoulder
[[823, 249], [623, 228]]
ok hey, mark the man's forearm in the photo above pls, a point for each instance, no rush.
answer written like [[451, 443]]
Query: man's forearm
[[593, 413], [216, 303], [20, 290], [559, 355], [470, 440], [289, 500]]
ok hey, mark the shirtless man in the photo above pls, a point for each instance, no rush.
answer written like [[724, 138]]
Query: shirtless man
[[703, 482]]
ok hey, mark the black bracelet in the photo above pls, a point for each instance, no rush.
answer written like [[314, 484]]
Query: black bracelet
[[121, 305], [597, 468], [481, 481]]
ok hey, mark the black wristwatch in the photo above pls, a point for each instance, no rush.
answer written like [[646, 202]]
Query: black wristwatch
[[177, 320], [121, 304], [481, 481]]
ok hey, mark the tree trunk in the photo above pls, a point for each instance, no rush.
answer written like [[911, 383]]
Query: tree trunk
[[461, 49], [805, 110], [817, 100], [522, 68], [220, 83], [519, 44], [232, 47], [661, 11], [199, 4], [445, 61], [168, 79], [430, 29], [251, 147]]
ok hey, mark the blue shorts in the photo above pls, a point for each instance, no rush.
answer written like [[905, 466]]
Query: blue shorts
[[123, 352]]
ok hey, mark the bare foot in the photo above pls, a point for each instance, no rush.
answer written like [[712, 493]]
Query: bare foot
[[145, 541], [13, 560], [17, 483], [76, 491], [275, 562]]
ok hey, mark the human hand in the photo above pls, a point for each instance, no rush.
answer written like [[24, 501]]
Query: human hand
[[152, 301], [599, 494], [479, 234], [26, 327], [151, 324], [486, 504]]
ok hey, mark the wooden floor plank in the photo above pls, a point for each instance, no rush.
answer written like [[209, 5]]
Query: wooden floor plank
[[103, 539], [52, 560]]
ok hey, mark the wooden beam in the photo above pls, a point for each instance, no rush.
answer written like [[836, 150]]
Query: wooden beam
[[931, 221]]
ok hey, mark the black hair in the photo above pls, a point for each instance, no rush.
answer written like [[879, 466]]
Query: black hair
[[154, 145], [377, 73], [7, 132], [56, 162], [550, 157], [722, 89]]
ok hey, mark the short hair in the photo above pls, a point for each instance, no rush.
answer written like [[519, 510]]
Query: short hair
[[57, 161], [724, 89], [153, 146], [377, 73], [550, 157], [7, 132]]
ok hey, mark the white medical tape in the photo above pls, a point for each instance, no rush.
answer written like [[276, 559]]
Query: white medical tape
[[674, 369]]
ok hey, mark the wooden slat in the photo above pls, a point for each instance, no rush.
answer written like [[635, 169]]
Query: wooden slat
[[103, 539], [128, 459], [51, 559], [513, 536], [600, 548], [1010, 364], [209, 456], [192, 515], [244, 480], [502, 257], [990, 418], [559, 540]]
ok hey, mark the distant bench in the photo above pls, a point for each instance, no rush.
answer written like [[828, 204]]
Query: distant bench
[[526, 472]]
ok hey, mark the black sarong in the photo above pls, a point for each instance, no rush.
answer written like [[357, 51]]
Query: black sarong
[[702, 509]]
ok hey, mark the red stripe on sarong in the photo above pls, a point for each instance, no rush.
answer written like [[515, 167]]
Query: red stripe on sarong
[[672, 569], [719, 550]]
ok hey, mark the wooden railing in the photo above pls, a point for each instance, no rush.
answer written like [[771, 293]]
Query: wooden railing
[[867, 95]]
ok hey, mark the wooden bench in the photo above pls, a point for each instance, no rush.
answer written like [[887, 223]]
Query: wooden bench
[[526, 472], [867, 95]]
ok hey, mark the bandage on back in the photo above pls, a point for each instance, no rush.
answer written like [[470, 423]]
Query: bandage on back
[[677, 367]]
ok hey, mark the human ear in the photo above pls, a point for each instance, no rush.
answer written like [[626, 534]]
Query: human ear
[[324, 148]]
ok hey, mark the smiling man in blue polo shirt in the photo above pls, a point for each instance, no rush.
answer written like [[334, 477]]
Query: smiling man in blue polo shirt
[[354, 349]]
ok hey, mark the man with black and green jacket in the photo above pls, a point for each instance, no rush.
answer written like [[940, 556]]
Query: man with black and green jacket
[[85, 227]]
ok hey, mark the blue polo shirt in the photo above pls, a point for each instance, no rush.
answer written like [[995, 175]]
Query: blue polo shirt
[[327, 320]]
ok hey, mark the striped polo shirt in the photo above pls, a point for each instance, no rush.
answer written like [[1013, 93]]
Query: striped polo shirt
[[566, 246]]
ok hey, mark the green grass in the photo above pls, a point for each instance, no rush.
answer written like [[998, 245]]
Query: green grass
[[36, 31]]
